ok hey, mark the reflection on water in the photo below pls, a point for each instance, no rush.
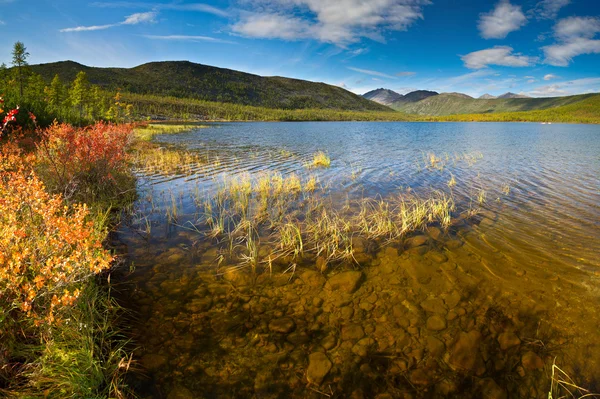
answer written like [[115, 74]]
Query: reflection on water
[[480, 309]]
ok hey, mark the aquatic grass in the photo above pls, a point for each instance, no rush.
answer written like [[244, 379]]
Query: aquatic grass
[[563, 386], [166, 161], [146, 132], [452, 181], [311, 184], [320, 160], [481, 196]]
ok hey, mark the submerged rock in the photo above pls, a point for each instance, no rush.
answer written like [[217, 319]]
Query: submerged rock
[[318, 367], [491, 390], [352, 332], [465, 355], [507, 340], [434, 305], [153, 362], [436, 323], [531, 361], [284, 325], [345, 281], [180, 392], [416, 241]]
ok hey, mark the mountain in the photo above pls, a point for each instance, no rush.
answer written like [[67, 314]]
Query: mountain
[[413, 97], [512, 95], [461, 95], [448, 104], [382, 96], [487, 97], [184, 79]]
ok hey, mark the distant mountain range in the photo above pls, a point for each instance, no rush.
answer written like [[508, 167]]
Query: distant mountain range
[[423, 102], [383, 96], [184, 79]]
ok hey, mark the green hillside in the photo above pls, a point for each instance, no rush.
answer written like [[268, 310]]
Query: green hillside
[[449, 104], [185, 79], [584, 111]]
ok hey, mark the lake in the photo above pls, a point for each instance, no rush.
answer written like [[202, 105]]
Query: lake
[[427, 260]]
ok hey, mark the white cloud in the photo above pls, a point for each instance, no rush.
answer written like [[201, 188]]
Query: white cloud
[[571, 87], [550, 77], [140, 17], [531, 81], [499, 55], [502, 20], [332, 21], [2, 22], [371, 72], [133, 19], [575, 36], [405, 73], [548, 9], [188, 38], [88, 28], [200, 7], [575, 27]]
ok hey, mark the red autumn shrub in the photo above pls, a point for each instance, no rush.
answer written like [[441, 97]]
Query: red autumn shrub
[[86, 161]]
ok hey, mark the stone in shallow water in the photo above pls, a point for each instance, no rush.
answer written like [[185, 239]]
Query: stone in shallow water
[[345, 281], [416, 241], [362, 347], [436, 323], [318, 367], [465, 355], [284, 325], [153, 362], [352, 332], [435, 346], [434, 305], [491, 390], [532, 361], [507, 340], [180, 392]]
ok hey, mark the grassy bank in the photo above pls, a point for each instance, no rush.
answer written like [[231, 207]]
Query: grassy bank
[[585, 111], [59, 333], [156, 107]]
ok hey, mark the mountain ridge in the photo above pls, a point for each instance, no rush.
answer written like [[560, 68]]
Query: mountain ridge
[[185, 79]]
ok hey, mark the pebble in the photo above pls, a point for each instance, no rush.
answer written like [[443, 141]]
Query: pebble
[[352, 332], [284, 325], [531, 361], [319, 366], [436, 323], [347, 282], [507, 340], [465, 352]]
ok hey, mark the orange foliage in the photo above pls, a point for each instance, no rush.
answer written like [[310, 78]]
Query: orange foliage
[[46, 247], [84, 158]]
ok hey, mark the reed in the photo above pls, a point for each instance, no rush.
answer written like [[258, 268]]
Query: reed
[[320, 160]]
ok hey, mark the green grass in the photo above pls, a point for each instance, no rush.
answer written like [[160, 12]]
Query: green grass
[[192, 109], [450, 104], [86, 356], [146, 132], [585, 111]]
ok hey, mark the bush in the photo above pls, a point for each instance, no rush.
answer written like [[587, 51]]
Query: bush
[[86, 164], [46, 248]]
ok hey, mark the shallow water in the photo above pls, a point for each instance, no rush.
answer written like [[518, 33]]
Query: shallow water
[[481, 309]]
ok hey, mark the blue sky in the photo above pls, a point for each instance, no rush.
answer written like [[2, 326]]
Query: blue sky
[[535, 47]]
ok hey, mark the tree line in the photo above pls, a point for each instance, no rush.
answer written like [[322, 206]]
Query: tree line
[[77, 102]]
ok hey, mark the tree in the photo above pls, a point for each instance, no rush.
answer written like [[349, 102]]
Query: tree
[[19, 60], [80, 92], [54, 93]]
